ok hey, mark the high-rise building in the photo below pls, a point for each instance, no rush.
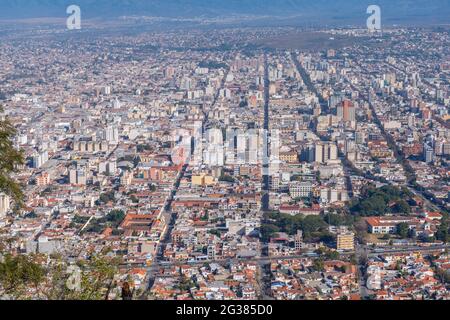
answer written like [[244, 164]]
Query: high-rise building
[[126, 178], [112, 134], [43, 179], [4, 204], [106, 90], [214, 151], [345, 241], [319, 152], [241, 148], [298, 238], [73, 176], [39, 159], [428, 153], [325, 152], [77, 177], [186, 83], [346, 111], [333, 152], [169, 72]]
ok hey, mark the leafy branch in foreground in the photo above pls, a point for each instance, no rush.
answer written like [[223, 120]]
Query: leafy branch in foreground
[[19, 274], [33, 277], [10, 159]]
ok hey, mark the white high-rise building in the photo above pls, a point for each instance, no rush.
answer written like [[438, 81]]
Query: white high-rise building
[[73, 176], [241, 148], [253, 147], [112, 167], [214, 151], [198, 143], [186, 83], [5, 201], [318, 152], [112, 134], [230, 147], [116, 104], [300, 189], [77, 177], [325, 152], [106, 90], [333, 152], [40, 159], [275, 145]]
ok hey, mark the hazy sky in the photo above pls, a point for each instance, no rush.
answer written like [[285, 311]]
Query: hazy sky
[[394, 11]]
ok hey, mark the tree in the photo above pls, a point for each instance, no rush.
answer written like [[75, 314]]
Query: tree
[[386, 236], [98, 274], [267, 230], [442, 233], [402, 207], [10, 159], [108, 197], [115, 216], [338, 219], [318, 265], [215, 232], [312, 223], [19, 273], [134, 199], [374, 202], [26, 276], [96, 279], [402, 230], [332, 255]]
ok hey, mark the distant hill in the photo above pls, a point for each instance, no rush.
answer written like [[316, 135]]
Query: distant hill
[[411, 11]]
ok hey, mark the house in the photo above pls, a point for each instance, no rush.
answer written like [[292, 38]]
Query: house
[[386, 225]]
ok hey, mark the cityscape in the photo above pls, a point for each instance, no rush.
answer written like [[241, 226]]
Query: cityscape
[[224, 158]]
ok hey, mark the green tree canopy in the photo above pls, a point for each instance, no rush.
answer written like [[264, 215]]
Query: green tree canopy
[[378, 201], [10, 158], [18, 273], [402, 229]]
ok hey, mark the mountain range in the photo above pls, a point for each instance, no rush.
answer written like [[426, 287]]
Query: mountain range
[[394, 11]]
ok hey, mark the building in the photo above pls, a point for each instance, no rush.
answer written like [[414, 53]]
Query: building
[[289, 157], [202, 180], [345, 241], [112, 135], [77, 177], [126, 179], [386, 225], [107, 167], [43, 179], [325, 152], [428, 153], [346, 111], [39, 159], [300, 189], [332, 195], [90, 146], [298, 239], [4, 204]]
